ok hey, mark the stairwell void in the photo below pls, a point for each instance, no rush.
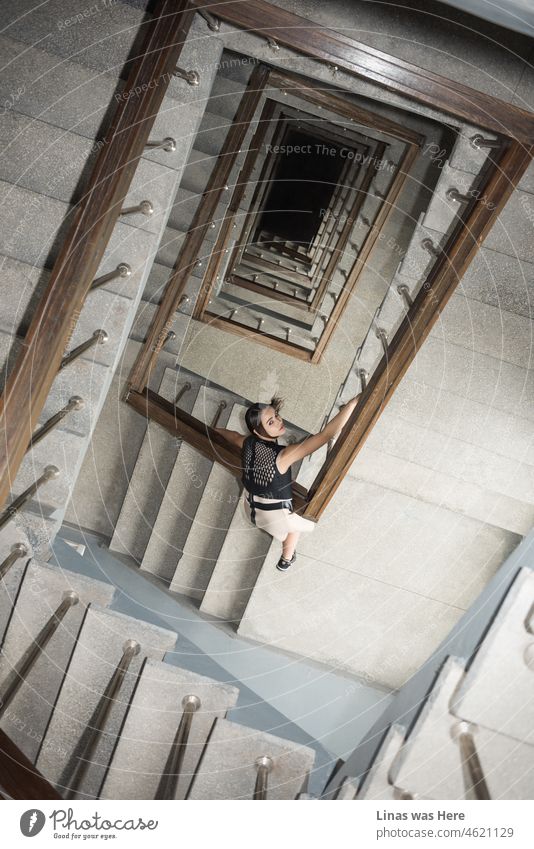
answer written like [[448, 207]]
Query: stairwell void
[[311, 221]]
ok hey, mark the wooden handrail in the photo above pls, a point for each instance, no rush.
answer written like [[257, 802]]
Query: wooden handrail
[[397, 75], [202, 437], [19, 779], [92, 222]]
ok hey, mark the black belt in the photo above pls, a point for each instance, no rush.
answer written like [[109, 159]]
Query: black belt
[[255, 505]]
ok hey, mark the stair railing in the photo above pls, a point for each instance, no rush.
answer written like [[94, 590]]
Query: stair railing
[[264, 765], [99, 337], [191, 77], [218, 414], [145, 208], [75, 403], [168, 144], [122, 270], [474, 778], [10, 687], [175, 760], [181, 392], [49, 474], [83, 759], [18, 550]]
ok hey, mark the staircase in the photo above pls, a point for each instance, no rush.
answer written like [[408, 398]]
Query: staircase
[[86, 691], [88, 698], [76, 676], [469, 735], [180, 518]]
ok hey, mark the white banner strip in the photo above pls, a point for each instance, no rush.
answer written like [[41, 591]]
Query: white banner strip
[[227, 825]]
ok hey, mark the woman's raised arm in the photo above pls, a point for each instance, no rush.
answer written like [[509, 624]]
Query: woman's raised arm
[[293, 453], [231, 436]]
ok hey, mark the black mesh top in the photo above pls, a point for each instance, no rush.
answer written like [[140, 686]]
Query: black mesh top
[[260, 473]]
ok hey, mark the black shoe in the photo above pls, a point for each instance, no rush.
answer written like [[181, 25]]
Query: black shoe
[[284, 564]]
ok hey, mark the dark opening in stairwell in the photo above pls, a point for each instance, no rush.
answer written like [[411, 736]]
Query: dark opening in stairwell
[[303, 181]]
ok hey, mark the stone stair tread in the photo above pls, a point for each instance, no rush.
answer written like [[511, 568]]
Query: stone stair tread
[[182, 496], [442, 214], [227, 769], [429, 765], [150, 476], [150, 728], [61, 449], [212, 517], [492, 692], [277, 328], [40, 594], [237, 296], [197, 171], [143, 320], [238, 565], [93, 661], [225, 97], [211, 134]]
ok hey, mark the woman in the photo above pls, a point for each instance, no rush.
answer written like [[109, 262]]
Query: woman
[[267, 472]]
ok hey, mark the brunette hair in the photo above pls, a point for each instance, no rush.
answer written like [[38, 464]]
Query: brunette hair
[[253, 413]]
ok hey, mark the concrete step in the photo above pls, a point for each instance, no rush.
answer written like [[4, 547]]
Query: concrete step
[[464, 155], [430, 764], [143, 320], [150, 728], [228, 766], [197, 171], [150, 476], [23, 285], [32, 78], [40, 527], [55, 162], [249, 317], [417, 260], [41, 592], [238, 565], [106, 41], [492, 694], [61, 448], [377, 784], [97, 653], [414, 459], [225, 97], [182, 495], [211, 133], [237, 297], [212, 518], [182, 211], [33, 225], [103, 41], [236, 67]]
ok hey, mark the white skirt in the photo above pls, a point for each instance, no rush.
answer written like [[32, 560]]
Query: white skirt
[[277, 523]]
